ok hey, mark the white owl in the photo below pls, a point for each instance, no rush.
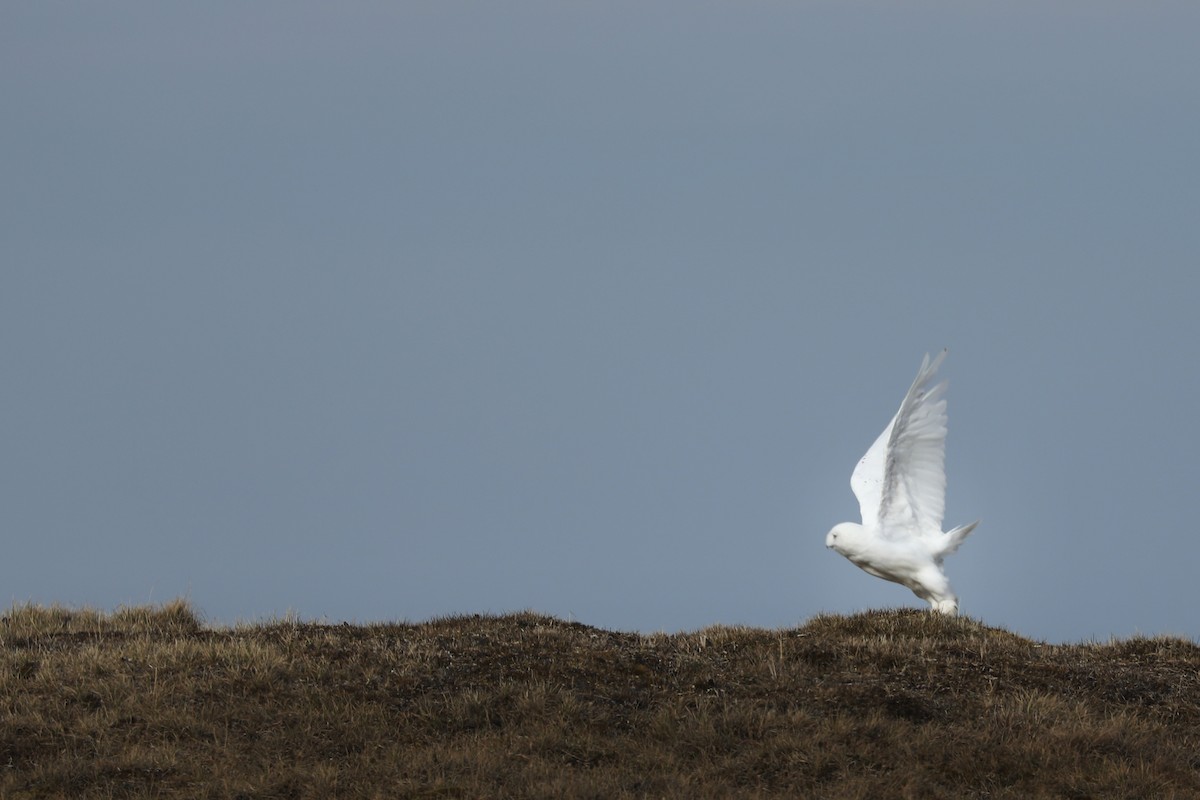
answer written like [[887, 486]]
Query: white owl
[[901, 489]]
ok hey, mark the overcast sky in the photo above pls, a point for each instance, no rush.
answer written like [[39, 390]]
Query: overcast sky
[[380, 311]]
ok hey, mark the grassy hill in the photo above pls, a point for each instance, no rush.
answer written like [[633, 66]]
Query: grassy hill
[[148, 702]]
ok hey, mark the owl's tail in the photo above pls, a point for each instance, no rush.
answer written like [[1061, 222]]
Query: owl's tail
[[955, 537]]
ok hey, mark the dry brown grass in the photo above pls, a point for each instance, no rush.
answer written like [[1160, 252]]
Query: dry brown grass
[[148, 702]]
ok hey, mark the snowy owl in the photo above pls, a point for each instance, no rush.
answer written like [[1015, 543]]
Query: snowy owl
[[901, 489]]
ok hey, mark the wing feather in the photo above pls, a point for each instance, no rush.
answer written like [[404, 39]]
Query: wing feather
[[901, 481], [867, 482]]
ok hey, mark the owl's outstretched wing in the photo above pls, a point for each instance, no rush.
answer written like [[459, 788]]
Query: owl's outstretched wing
[[901, 481]]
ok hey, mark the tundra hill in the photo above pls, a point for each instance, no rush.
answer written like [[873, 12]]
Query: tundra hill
[[150, 702]]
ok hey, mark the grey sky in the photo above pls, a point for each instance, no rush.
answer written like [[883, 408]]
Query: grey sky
[[390, 310]]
